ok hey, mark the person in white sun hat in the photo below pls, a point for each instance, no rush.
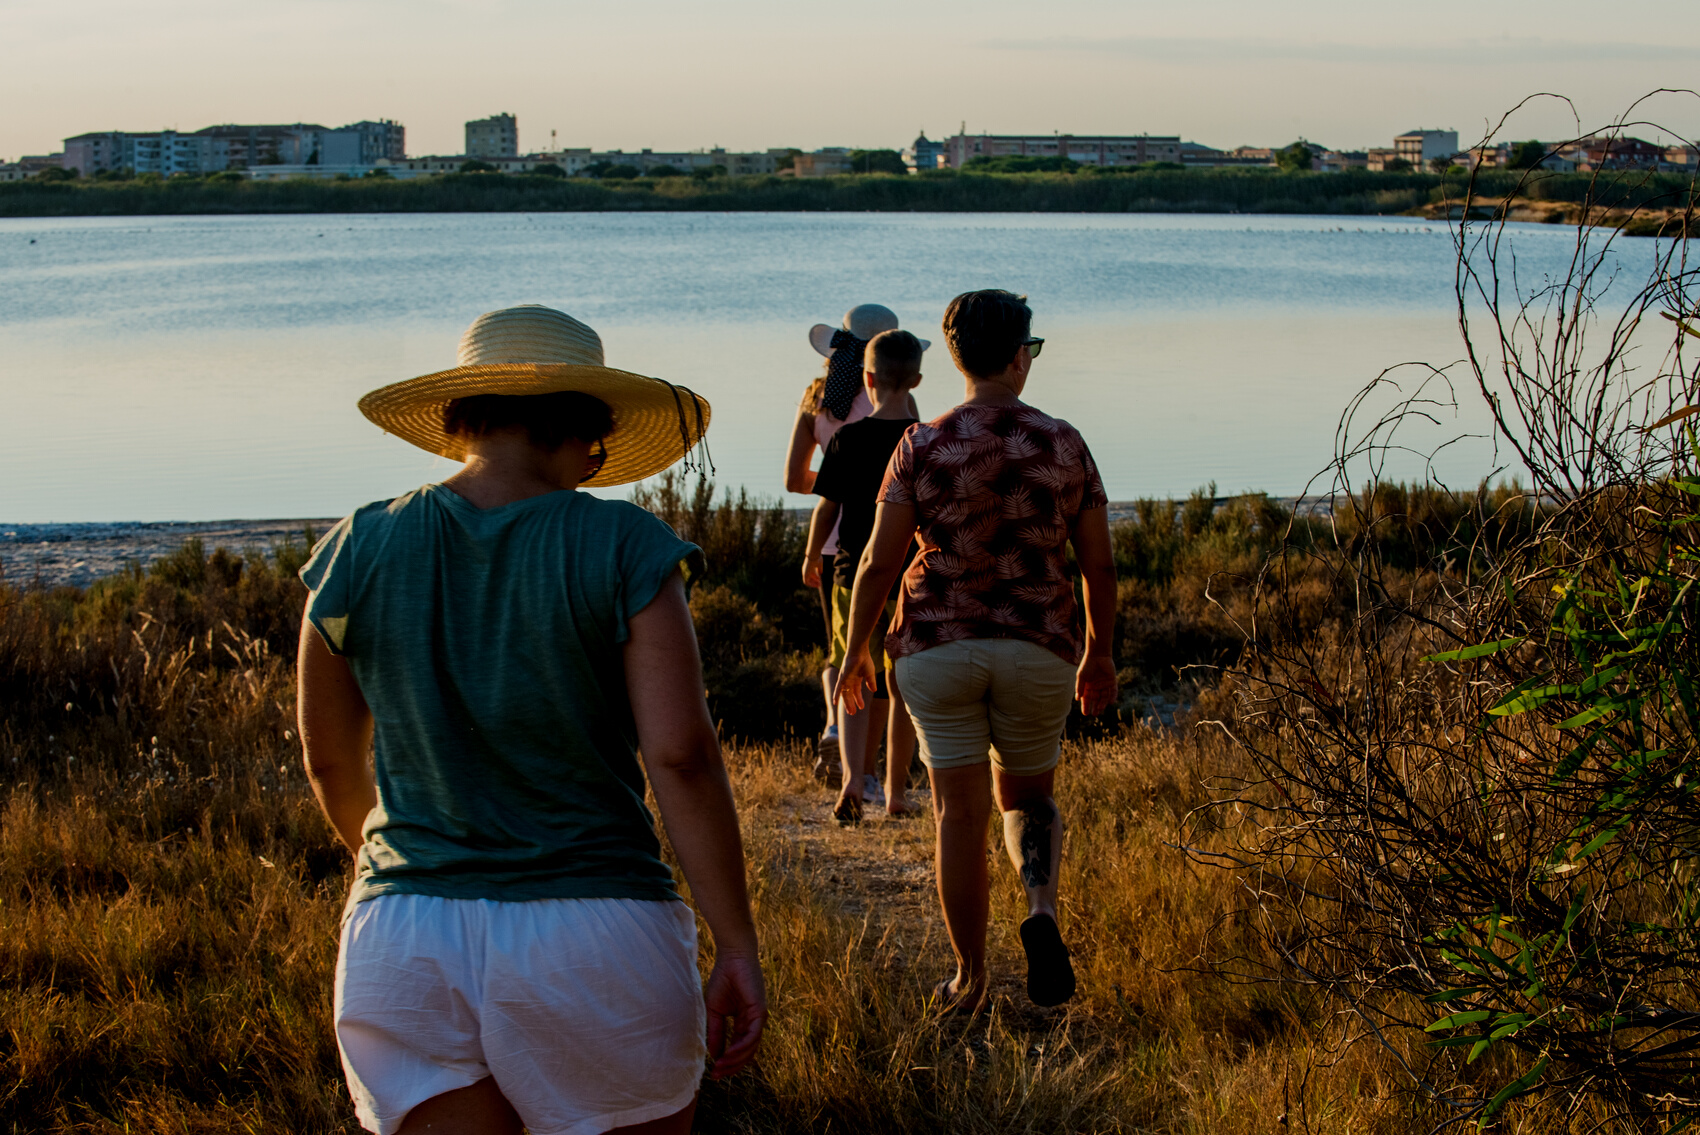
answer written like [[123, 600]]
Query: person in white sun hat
[[832, 401], [514, 952]]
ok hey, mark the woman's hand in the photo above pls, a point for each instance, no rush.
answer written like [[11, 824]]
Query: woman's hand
[[811, 571], [855, 676], [735, 991], [1095, 684]]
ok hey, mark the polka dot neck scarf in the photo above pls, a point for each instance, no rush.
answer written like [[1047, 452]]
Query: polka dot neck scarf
[[843, 373]]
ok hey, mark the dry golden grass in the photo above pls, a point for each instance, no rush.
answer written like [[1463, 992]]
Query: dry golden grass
[[167, 943]]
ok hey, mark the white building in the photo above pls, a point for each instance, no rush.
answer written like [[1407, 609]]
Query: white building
[[1419, 147]]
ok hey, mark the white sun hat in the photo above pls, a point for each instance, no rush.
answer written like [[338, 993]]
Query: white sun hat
[[863, 321], [532, 349]]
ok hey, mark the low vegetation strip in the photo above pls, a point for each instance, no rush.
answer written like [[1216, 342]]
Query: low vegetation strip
[[1203, 191], [169, 895]]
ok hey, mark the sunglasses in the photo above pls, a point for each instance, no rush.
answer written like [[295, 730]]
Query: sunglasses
[[596, 462], [1033, 347]]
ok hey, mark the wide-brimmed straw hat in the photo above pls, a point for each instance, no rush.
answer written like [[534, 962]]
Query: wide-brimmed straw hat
[[863, 321], [532, 349]]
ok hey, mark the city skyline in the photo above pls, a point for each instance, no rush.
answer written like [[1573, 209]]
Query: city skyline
[[679, 77]]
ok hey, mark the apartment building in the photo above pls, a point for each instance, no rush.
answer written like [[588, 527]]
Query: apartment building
[[365, 143], [164, 152], [1419, 147], [1087, 149], [233, 146], [493, 137]]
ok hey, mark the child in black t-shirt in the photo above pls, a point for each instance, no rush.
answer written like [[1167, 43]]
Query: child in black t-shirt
[[848, 484]]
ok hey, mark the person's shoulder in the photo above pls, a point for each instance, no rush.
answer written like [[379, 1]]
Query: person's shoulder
[[924, 431], [380, 513], [861, 427], [1034, 418], [622, 514]]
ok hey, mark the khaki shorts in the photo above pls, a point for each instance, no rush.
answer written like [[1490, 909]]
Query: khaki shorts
[[876, 643], [998, 699]]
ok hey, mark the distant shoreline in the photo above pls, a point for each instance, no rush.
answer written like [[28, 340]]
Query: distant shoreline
[[1353, 192], [77, 554]]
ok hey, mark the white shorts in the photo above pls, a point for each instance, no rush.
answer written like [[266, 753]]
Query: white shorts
[[588, 1012]]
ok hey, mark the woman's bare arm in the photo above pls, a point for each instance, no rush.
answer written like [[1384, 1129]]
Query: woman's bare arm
[[336, 735], [681, 754], [799, 478], [1095, 683]]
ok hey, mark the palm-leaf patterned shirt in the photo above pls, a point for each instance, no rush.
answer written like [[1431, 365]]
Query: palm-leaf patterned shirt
[[996, 491]]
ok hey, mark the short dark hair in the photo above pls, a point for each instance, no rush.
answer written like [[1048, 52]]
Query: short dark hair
[[985, 329], [548, 419], [894, 357]]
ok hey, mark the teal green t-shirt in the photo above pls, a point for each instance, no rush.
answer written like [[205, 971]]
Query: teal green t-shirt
[[487, 643]]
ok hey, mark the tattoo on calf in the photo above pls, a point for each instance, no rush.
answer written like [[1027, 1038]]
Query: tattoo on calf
[[1037, 817]]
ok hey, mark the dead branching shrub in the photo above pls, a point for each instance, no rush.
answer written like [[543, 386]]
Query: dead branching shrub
[[1473, 820]]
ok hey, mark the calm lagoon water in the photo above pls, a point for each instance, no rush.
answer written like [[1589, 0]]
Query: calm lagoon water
[[207, 367]]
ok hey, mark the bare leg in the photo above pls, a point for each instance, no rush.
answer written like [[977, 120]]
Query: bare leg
[[1032, 834], [961, 805], [480, 1109], [876, 734], [899, 749], [829, 679], [859, 744]]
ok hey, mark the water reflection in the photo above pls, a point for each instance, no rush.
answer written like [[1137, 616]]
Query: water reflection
[[195, 368]]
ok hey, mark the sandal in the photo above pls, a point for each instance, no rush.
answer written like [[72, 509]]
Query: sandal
[[946, 1003], [1050, 975], [848, 811]]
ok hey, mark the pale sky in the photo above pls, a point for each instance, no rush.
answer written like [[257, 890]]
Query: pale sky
[[749, 74]]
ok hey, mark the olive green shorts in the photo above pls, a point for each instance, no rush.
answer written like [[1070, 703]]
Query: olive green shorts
[[876, 643]]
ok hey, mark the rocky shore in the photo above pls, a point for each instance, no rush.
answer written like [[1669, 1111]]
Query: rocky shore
[[75, 555], [58, 555]]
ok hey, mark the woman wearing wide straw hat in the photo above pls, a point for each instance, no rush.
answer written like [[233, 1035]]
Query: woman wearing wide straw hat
[[513, 949], [831, 402]]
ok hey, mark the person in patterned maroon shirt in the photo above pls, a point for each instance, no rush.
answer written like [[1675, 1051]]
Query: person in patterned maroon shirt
[[987, 636]]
